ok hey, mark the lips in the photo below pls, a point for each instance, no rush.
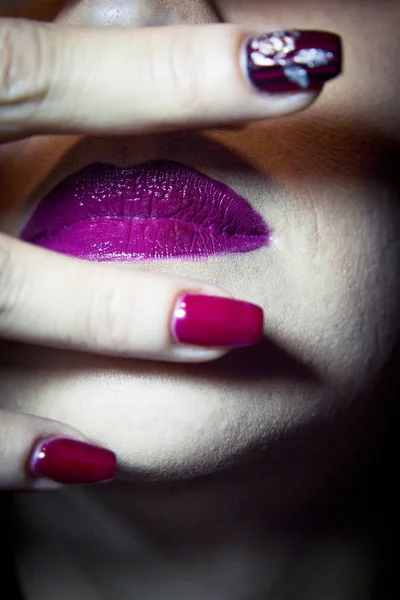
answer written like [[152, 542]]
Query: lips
[[157, 210]]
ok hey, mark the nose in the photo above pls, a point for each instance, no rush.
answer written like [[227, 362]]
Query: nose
[[137, 13]]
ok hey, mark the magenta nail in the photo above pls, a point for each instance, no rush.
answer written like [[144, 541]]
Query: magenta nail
[[287, 61], [216, 321], [71, 461]]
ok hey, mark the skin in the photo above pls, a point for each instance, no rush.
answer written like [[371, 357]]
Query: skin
[[328, 284]]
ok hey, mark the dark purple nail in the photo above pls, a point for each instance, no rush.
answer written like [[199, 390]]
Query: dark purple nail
[[288, 61]]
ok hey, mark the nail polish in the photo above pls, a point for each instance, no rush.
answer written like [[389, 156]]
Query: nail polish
[[287, 61], [216, 321], [66, 460]]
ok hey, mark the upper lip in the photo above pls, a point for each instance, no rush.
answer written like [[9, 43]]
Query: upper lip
[[158, 209]]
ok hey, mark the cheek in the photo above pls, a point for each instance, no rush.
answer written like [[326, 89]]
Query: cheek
[[339, 280], [161, 420]]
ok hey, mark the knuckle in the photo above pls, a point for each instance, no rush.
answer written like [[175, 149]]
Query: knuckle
[[9, 289], [104, 326], [185, 78], [26, 62], [6, 436]]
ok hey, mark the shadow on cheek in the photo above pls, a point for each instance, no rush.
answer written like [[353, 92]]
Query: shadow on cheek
[[265, 362]]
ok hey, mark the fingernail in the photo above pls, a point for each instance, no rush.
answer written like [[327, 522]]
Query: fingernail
[[287, 61], [216, 321], [70, 461]]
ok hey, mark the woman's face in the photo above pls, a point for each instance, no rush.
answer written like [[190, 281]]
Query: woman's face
[[324, 181]]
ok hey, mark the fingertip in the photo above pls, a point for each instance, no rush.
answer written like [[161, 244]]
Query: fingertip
[[42, 454]]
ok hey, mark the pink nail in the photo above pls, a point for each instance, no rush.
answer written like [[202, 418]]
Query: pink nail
[[216, 321], [67, 460]]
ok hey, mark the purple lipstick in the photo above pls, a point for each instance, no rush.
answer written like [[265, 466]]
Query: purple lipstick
[[158, 210]]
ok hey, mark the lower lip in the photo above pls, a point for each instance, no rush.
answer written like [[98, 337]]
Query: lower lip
[[157, 210]]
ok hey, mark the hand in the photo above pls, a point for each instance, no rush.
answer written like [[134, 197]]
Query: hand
[[149, 80]]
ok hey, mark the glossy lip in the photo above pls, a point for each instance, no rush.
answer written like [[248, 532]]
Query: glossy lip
[[159, 209]]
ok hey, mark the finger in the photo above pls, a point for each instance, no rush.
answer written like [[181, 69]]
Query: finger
[[42, 454], [58, 78], [55, 300]]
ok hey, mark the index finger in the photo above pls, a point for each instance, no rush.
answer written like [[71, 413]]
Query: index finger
[[55, 78], [51, 299]]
